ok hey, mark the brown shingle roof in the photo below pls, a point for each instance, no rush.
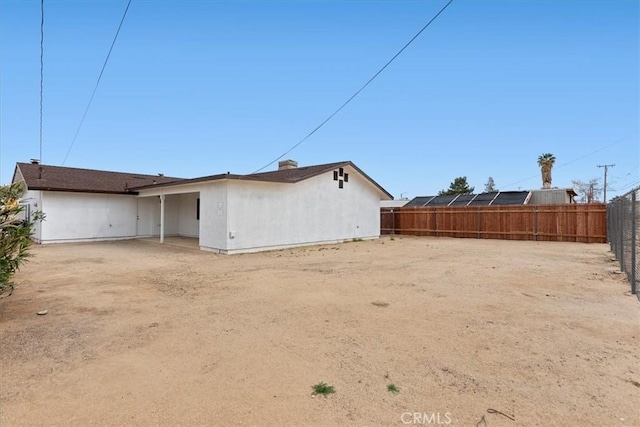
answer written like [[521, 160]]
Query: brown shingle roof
[[298, 174], [295, 174], [288, 176], [58, 178]]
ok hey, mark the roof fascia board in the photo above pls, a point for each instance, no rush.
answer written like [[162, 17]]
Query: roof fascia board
[[18, 172], [66, 190]]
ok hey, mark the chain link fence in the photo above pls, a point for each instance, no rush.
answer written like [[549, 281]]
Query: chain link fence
[[623, 230]]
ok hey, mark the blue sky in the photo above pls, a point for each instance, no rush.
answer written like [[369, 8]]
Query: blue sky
[[196, 88]]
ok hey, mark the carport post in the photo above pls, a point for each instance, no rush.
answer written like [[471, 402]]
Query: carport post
[[162, 218]]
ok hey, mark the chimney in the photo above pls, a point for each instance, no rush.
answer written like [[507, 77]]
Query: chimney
[[35, 161], [287, 164]]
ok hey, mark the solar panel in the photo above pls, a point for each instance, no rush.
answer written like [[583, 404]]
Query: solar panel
[[483, 199], [442, 200], [463, 200], [511, 198], [419, 201]]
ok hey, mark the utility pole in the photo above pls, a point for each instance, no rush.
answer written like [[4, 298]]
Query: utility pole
[[606, 167]]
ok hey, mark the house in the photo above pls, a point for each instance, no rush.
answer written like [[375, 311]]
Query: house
[[227, 213], [393, 203]]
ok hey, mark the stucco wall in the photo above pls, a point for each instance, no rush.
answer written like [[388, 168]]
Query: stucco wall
[[85, 216], [180, 215], [266, 215], [188, 224], [171, 211], [213, 216], [33, 200], [148, 216]]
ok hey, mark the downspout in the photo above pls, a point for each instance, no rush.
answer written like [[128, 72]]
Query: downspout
[[162, 216]]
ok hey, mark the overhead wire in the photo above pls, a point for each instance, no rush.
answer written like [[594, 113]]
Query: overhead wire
[[41, 71], [628, 184], [358, 91], [104, 65]]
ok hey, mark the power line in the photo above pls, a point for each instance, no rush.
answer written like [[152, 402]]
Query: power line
[[628, 184], [124, 15], [41, 69], [358, 91]]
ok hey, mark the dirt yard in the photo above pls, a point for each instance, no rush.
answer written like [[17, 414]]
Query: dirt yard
[[139, 333]]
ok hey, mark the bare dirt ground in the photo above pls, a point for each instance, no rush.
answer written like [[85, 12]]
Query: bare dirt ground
[[143, 334]]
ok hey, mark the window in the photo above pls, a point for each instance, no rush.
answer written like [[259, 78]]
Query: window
[[198, 209]]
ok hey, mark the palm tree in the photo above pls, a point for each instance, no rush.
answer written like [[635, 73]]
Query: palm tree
[[546, 161]]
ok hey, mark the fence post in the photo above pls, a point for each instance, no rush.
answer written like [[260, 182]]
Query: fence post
[[393, 222], [621, 237], [535, 223], [435, 222], [608, 217], [617, 228], [634, 238], [479, 223]]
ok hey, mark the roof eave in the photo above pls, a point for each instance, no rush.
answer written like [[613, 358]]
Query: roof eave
[[188, 181], [74, 190]]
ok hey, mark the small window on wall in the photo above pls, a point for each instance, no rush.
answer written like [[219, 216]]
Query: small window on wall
[[198, 209]]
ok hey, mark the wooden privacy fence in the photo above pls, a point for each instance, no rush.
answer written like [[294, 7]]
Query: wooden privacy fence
[[585, 223]]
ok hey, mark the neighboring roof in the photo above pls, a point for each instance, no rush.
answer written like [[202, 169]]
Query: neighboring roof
[[59, 178], [570, 191], [493, 199]]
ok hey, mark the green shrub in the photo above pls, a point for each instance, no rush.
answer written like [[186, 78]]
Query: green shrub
[[15, 234]]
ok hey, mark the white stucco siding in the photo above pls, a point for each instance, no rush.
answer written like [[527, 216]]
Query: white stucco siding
[[148, 217], [271, 215], [188, 224], [213, 216], [171, 211], [33, 198], [179, 215], [84, 216]]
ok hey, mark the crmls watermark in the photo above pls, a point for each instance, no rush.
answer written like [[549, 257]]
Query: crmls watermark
[[426, 418]]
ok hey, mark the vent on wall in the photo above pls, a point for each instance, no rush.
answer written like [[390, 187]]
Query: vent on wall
[[341, 176]]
